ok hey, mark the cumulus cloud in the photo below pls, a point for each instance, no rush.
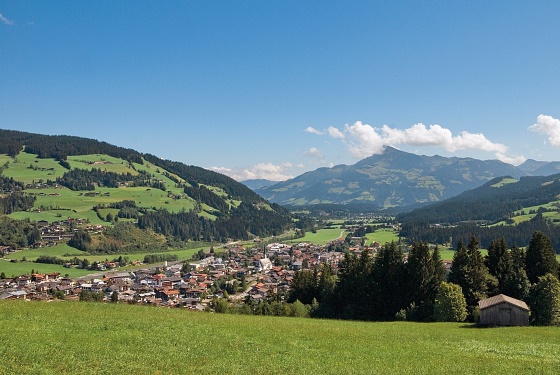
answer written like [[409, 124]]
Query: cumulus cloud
[[364, 140], [548, 126], [515, 160], [267, 171], [5, 20], [312, 130], [335, 133], [314, 152]]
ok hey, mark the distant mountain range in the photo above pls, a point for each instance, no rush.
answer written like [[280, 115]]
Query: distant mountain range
[[396, 179], [540, 168], [257, 184]]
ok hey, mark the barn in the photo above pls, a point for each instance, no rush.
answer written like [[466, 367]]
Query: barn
[[502, 310]]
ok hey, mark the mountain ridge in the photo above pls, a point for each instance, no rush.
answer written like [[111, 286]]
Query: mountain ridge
[[395, 178]]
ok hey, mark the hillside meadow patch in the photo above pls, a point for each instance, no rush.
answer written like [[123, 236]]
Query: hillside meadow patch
[[102, 338]]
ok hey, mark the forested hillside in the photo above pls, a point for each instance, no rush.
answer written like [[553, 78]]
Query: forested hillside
[[502, 207], [495, 200], [44, 176]]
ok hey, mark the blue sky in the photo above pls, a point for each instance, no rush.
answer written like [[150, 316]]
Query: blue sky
[[271, 89]]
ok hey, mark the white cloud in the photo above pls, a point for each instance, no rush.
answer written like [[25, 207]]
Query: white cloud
[[418, 135], [515, 160], [266, 171], [364, 140], [314, 152], [335, 133], [5, 20], [312, 130], [549, 126]]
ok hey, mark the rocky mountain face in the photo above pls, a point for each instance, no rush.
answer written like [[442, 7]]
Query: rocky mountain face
[[540, 168], [392, 179]]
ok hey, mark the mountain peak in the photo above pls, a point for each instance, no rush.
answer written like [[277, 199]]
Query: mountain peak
[[392, 178]]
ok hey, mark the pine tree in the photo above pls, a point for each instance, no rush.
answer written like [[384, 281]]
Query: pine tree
[[326, 282], [459, 265], [304, 287], [469, 272], [352, 297], [517, 283], [440, 274], [420, 272], [479, 278], [499, 262], [388, 284], [425, 273], [540, 258]]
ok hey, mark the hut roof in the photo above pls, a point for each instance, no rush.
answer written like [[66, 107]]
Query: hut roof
[[501, 298]]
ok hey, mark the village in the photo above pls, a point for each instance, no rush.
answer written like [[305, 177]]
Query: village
[[235, 274]]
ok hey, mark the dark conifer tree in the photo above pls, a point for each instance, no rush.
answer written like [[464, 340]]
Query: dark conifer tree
[[388, 283], [499, 262], [459, 265], [304, 287], [480, 281], [440, 274], [420, 271], [540, 257], [516, 283], [469, 272]]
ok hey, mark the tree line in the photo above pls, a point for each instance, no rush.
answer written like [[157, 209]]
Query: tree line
[[16, 201], [242, 222], [18, 233], [59, 147], [390, 286], [519, 234], [84, 179]]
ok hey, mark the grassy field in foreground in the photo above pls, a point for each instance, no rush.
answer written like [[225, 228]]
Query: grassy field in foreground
[[90, 338]]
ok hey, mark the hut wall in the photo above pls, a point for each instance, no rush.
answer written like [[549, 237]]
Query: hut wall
[[504, 314]]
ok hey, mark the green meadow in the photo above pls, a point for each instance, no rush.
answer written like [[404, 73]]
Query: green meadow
[[28, 168], [382, 236], [66, 252], [63, 203], [24, 268], [322, 236], [102, 338]]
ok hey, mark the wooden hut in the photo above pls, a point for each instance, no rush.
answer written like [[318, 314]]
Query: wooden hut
[[502, 310]]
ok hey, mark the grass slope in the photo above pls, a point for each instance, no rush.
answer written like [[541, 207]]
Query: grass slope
[[21, 268], [67, 203], [89, 338]]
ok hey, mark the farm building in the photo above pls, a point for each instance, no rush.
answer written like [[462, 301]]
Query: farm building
[[502, 310]]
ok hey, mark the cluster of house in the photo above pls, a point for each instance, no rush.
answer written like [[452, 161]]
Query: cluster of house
[[165, 286], [51, 233], [169, 286]]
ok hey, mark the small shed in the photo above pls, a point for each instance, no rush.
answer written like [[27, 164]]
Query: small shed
[[502, 310]]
